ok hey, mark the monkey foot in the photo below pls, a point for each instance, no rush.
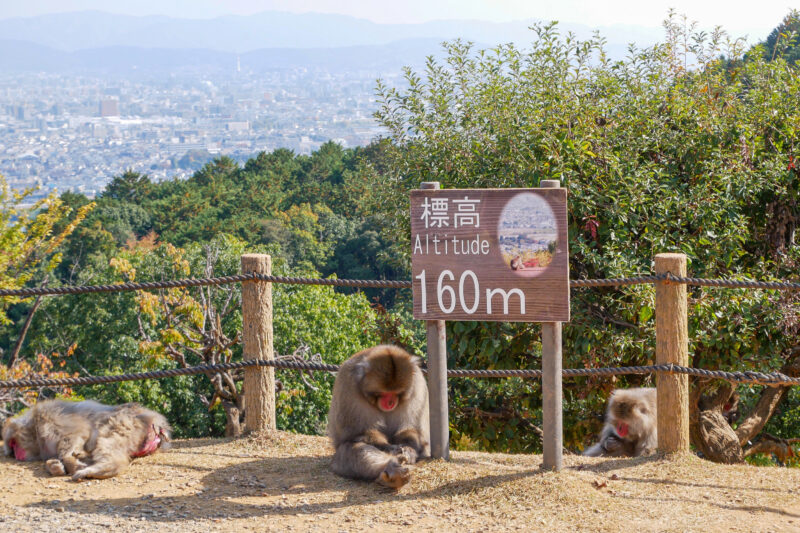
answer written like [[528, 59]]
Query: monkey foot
[[395, 476], [80, 475], [55, 467]]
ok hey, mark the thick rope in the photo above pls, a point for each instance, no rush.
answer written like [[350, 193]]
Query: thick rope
[[616, 282], [380, 284], [735, 284], [197, 282], [773, 379]]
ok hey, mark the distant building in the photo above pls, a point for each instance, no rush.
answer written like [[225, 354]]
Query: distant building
[[109, 108], [99, 131], [238, 126]]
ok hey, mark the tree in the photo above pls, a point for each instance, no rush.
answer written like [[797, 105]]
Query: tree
[[44, 367], [300, 235], [129, 187], [784, 40], [137, 331], [28, 245], [190, 327], [667, 150]]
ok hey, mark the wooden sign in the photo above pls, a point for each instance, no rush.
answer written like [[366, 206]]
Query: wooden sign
[[490, 254]]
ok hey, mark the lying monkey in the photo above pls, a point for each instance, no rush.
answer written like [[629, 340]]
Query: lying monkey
[[378, 420], [85, 439]]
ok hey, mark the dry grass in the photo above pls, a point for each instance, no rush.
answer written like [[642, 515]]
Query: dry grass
[[281, 482]]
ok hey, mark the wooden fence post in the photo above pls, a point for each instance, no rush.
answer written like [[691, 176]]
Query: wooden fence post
[[437, 379], [552, 416], [259, 382], [672, 346]]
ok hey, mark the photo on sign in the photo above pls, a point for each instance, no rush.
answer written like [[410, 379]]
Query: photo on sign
[[527, 234]]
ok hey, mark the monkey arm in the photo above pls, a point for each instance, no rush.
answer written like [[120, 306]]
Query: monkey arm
[[614, 446], [410, 444], [599, 449], [360, 460], [376, 438], [611, 445], [409, 437]]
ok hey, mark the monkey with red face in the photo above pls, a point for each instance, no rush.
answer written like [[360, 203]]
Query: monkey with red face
[[378, 420], [631, 425], [85, 439]]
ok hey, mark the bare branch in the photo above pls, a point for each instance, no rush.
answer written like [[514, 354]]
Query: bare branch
[[206, 309], [187, 331], [771, 398], [142, 331], [195, 351], [228, 343], [229, 382], [606, 316], [780, 448], [225, 309], [27, 325]]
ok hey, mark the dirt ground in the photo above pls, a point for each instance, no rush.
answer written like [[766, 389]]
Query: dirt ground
[[281, 482]]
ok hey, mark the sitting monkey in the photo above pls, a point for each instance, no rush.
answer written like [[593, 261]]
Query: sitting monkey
[[630, 428], [378, 420]]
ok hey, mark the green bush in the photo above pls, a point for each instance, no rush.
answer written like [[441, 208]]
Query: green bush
[[108, 334], [684, 146]]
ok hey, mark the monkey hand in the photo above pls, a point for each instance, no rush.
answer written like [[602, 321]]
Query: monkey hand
[[403, 454], [55, 467], [613, 444], [394, 475]]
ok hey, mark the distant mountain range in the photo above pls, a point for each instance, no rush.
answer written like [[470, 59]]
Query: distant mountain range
[[18, 56], [272, 29], [103, 41]]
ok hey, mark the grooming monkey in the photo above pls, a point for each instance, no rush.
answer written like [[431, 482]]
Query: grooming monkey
[[630, 429], [378, 420], [85, 439]]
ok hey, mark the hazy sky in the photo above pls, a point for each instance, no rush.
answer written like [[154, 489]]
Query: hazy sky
[[757, 19]]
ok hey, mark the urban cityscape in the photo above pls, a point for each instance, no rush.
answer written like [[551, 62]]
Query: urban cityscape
[[76, 132]]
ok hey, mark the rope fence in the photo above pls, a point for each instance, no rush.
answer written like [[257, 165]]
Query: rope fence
[[771, 379], [199, 282], [671, 349], [381, 284], [774, 379]]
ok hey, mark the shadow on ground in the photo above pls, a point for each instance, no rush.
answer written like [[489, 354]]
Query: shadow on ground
[[224, 488], [283, 486]]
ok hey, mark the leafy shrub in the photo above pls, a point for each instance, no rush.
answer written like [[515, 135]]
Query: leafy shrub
[[683, 146]]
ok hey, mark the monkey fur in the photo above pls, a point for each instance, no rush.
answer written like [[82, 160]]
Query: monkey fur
[[630, 428], [378, 421], [85, 439]]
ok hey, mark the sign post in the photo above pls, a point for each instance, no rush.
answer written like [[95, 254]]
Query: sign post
[[552, 416], [496, 255], [437, 379]]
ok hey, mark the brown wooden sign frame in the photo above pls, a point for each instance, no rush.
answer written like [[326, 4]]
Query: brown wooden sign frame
[[490, 254]]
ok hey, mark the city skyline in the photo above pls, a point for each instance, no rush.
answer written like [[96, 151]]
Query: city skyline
[[77, 132], [78, 109]]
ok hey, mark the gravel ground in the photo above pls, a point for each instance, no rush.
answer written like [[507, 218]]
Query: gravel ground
[[280, 482]]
